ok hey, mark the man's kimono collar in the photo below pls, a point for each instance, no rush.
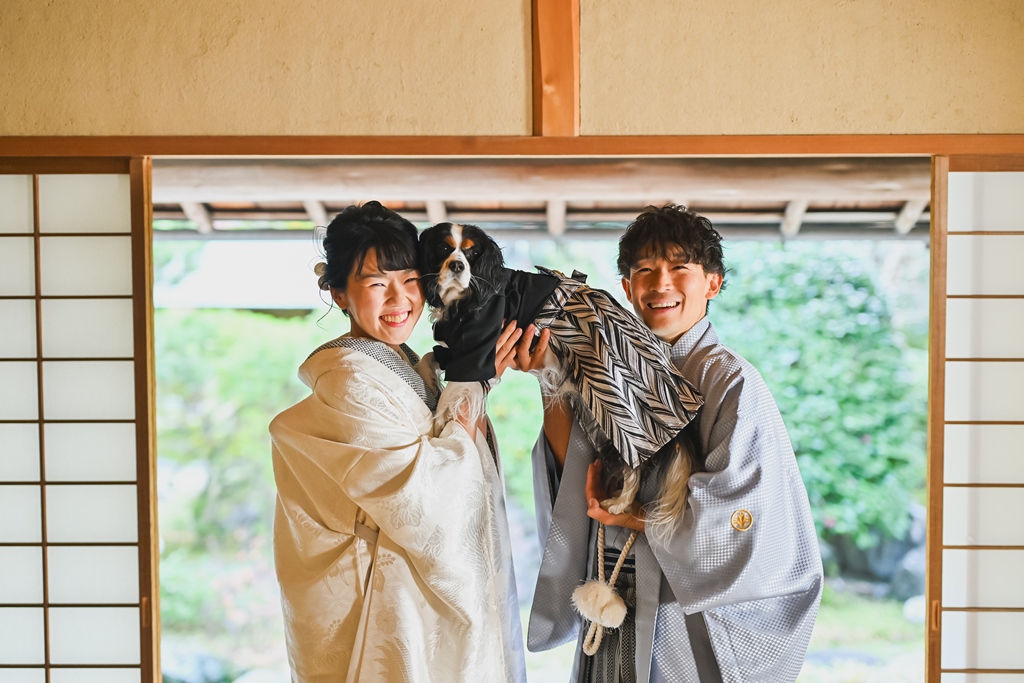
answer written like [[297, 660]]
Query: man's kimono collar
[[685, 345]]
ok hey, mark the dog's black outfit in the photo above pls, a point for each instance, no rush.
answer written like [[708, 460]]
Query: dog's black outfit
[[636, 397]]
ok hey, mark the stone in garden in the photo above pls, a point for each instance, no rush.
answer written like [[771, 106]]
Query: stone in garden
[[908, 580]]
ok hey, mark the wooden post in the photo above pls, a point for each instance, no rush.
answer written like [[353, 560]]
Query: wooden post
[[556, 67]]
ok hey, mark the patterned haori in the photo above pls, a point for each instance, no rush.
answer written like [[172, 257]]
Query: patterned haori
[[636, 397], [391, 542]]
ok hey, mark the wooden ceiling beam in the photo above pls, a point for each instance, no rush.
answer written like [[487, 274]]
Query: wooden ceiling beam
[[909, 215], [556, 217], [898, 179], [198, 214], [793, 218], [437, 212], [316, 212]]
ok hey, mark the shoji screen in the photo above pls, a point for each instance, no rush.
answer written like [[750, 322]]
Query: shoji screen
[[982, 432], [76, 577]]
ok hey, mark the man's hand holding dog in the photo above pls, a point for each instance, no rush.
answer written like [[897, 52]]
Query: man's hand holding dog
[[595, 494]]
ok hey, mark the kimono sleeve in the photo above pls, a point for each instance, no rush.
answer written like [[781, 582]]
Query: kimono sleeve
[[432, 496], [747, 533]]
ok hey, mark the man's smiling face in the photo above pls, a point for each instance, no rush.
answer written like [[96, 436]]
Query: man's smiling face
[[670, 294]]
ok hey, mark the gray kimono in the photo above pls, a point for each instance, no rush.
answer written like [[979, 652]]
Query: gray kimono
[[734, 596]]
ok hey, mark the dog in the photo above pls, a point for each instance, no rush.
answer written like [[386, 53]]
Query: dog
[[630, 398]]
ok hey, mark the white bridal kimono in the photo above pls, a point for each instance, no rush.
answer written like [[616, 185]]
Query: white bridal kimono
[[391, 545]]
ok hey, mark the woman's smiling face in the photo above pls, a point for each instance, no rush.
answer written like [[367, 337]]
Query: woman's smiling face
[[382, 305]]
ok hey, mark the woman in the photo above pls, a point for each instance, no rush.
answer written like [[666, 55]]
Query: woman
[[390, 538]]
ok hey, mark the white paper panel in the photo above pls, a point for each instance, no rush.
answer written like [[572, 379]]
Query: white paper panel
[[987, 392], [19, 386], [21, 574], [92, 574], [95, 676], [94, 635], [17, 266], [981, 678], [85, 203], [86, 266], [985, 328], [982, 578], [21, 635], [91, 514], [984, 454], [20, 514], [982, 516], [22, 676], [89, 390], [985, 264], [90, 452], [961, 188], [982, 640], [19, 452], [18, 321], [986, 201], [88, 328], [16, 204]]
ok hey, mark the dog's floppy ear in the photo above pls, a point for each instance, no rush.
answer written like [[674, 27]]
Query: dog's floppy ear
[[490, 261], [427, 255], [429, 260]]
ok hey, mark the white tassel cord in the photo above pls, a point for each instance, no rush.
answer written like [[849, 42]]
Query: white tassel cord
[[597, 600]]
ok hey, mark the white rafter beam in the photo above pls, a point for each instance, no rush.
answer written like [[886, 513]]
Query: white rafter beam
[[556, 211], [794, 217], [316, 212], [200, 215], [437, 212], [909, 215]]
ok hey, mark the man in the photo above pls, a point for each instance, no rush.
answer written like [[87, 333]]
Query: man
[[730, 590]]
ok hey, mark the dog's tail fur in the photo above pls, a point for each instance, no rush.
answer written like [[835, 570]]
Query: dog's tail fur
[[665, 513]]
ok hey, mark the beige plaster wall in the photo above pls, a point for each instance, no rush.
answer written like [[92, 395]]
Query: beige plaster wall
[[801, 66], [265, 67]]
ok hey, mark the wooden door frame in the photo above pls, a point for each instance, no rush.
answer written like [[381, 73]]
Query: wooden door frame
[[948, 153]]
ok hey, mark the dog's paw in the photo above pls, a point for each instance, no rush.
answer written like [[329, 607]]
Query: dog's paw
[[617, 505], [623, 502], [430, 371], [553, 378], [460, 399]]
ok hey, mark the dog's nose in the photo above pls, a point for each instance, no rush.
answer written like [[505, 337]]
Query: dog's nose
[[456, 267]]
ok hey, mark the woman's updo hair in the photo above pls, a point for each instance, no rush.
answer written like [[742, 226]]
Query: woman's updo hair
[[357, 230]]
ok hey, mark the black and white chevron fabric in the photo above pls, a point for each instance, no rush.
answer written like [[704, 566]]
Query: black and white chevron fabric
[[636, 396]]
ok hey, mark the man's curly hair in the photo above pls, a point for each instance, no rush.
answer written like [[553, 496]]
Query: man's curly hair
[[671, 231]]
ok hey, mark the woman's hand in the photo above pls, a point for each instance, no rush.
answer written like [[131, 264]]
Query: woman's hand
[[595, 494], [505, 354]]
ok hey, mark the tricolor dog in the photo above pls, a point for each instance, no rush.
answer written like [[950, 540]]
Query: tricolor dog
[[626, 392]]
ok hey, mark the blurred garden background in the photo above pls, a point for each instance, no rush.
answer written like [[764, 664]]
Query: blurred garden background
[[838, 329]]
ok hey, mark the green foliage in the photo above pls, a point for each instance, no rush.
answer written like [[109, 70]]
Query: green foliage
[[814, 321], [814, 318], [188, 599], [221, 376], [173, 261]]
